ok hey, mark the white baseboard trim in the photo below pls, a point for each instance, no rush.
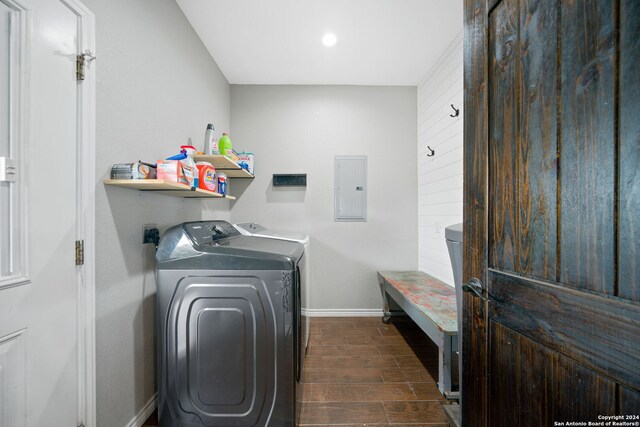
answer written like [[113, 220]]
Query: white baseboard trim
[[145, 412], [343, 312]]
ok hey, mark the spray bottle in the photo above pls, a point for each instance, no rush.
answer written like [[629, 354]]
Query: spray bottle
[[190, 151]]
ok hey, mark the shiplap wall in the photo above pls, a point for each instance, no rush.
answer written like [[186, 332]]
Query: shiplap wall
[[440, 176]]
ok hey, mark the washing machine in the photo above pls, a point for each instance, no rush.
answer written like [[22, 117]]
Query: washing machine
[[228, 321], [257, 230]]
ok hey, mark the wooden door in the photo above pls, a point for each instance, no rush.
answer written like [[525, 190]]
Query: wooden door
[[552, 211]]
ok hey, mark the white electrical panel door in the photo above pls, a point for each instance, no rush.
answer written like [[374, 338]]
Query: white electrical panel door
[[350, 188]]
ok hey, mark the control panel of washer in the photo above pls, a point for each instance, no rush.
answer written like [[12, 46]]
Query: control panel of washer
[[207, 232]]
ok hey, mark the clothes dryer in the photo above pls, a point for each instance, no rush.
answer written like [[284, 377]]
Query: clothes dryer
[[257, 230]]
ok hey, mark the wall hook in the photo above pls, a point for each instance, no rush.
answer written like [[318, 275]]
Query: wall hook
[[432, 152], [456, 112]]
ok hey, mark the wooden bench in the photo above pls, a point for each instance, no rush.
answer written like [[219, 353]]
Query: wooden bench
[[432, 305]]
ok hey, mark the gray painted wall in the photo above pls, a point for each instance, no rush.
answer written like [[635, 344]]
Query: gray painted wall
[[299, 129], [157, 88]]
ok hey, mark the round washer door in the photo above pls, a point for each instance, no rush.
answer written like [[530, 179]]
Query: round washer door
[[221, 352]]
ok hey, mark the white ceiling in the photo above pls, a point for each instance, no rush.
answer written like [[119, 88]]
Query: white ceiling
[[380, 42]]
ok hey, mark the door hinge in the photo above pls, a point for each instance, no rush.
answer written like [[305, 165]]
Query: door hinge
[[81, 64], [79, 252], [7, 169]]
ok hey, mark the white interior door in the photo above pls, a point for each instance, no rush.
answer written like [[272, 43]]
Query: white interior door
[[39, 366]]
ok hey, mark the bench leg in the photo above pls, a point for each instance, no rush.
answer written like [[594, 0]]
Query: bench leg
[[388, 312], [386, 315], [444, 366], [390, 307]]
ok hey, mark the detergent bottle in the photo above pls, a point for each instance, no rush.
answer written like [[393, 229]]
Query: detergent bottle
[[224, 144], [207, 176], [210, 142]]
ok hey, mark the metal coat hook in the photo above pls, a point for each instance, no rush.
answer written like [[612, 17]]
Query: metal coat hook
[[456, 113], [432, 152]]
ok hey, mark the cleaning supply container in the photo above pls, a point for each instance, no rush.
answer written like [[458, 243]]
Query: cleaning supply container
[[208, 180], [190, 151], [210, 141], [222, 183], [180, 156], [174, 171], [224, 144], [245, 161]]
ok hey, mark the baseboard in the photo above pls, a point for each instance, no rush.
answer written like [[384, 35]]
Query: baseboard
[[343, 312], [145, 412]]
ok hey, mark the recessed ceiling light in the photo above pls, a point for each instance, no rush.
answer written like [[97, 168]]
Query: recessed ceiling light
[[329, 39]]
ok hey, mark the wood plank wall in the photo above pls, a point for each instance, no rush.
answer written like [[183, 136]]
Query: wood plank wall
[[440, 176]]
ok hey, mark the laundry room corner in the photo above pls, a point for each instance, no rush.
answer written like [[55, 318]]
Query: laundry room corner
[[300, 129]]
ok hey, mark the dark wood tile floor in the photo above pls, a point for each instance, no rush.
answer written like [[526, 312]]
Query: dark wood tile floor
[[361, 372]]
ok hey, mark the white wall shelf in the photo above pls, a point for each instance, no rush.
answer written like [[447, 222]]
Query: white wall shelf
[[166, 187]]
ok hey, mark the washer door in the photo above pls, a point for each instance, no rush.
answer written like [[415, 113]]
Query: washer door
[[221, 353]]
